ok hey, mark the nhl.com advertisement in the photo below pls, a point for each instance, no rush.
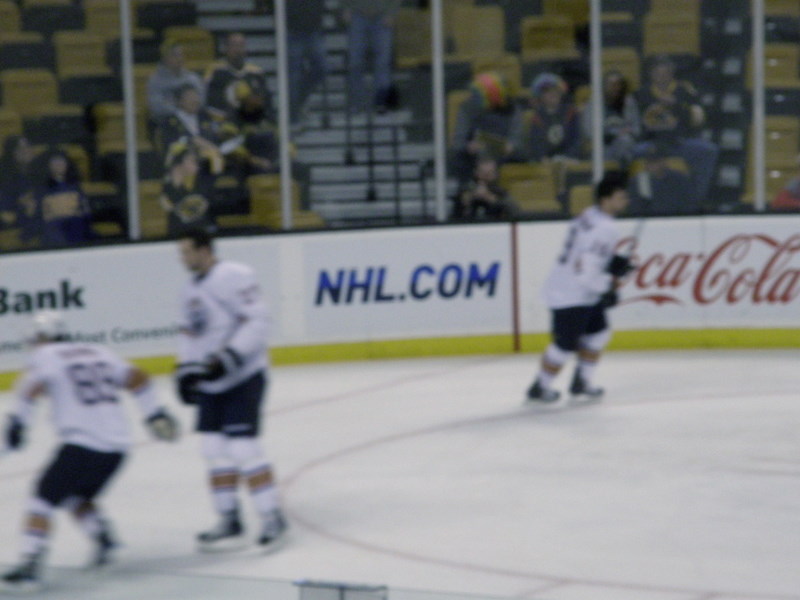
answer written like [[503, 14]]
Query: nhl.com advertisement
[[417, 283]]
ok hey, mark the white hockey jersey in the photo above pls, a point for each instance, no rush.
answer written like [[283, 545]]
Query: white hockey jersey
[[579, 276], [224, 309], [82, 382]]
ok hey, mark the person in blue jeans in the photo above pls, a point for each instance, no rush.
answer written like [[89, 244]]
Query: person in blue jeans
[[370, 31], [306, 41], [672, 116]]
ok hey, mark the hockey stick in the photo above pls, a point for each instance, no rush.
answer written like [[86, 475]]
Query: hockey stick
[[641, 221]]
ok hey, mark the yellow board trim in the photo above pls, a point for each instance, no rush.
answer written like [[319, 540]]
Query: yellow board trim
[[667, 339]]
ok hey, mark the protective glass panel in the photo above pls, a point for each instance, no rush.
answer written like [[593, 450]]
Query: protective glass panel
[[362, 131], [518, 75], [59, 75], [212, 108], [673, 99], [782, 107]]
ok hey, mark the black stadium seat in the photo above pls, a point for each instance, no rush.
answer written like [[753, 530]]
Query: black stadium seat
[[158, 15], [56, 128], [145, 50], [26, 55], [49, 18], [89, 89]]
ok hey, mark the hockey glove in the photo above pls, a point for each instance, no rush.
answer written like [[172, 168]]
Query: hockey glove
[[187, 377], [220, 364], [163, 426], [619, 265], [609, 299], [15, 433]]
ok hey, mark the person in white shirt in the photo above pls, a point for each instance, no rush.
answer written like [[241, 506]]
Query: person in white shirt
[[82, 382], [222, 369], [580, 287]]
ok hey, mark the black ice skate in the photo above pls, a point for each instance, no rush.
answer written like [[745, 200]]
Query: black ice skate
[[226, 535], [580, 387], [537, 393], [105, 545], [273, 533], [25, 578]]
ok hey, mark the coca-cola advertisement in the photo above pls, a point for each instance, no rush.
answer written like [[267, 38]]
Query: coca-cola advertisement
[[732, 271]]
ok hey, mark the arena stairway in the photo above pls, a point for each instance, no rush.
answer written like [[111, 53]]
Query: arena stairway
[[364, 169]]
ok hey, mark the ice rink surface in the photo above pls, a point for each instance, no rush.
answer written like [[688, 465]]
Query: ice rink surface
[[429, 474]]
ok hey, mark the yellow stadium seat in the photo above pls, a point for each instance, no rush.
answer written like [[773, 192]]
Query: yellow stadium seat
[[265, 206], [576, 10], [684, 7], [29, 3], [782, 148], [198, 44], [784, 8], [780, 66], [152, 216], [532, 186], [477, 31], [10, 239], [102, 17], [581, 196], [783, 137], [671, 32], [412, 39], [9, 16], [20, 37], [550, 37], [80, 53], [448, 7], [109, 118], [10, 124], [29, 91]]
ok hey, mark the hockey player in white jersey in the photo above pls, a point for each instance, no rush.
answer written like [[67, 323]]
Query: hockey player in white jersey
[[222, 369], [82, 383], [580, 287]]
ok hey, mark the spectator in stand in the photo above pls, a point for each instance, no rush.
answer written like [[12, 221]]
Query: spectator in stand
[[370, 31], [18, 187], [671, 114], [254, 145], [482, 197], [483, 125], [253, 138], [187, 194], [659, 189], [233, 78], [165, 81], [788, 198], [622, 124], [549, 129], [192, 121], [306, 41], [63, 208]]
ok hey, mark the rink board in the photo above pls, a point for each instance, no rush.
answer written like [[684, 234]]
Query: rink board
[[715, 281]]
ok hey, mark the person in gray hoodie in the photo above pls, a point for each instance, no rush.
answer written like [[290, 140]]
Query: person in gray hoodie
[[167, 79]]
